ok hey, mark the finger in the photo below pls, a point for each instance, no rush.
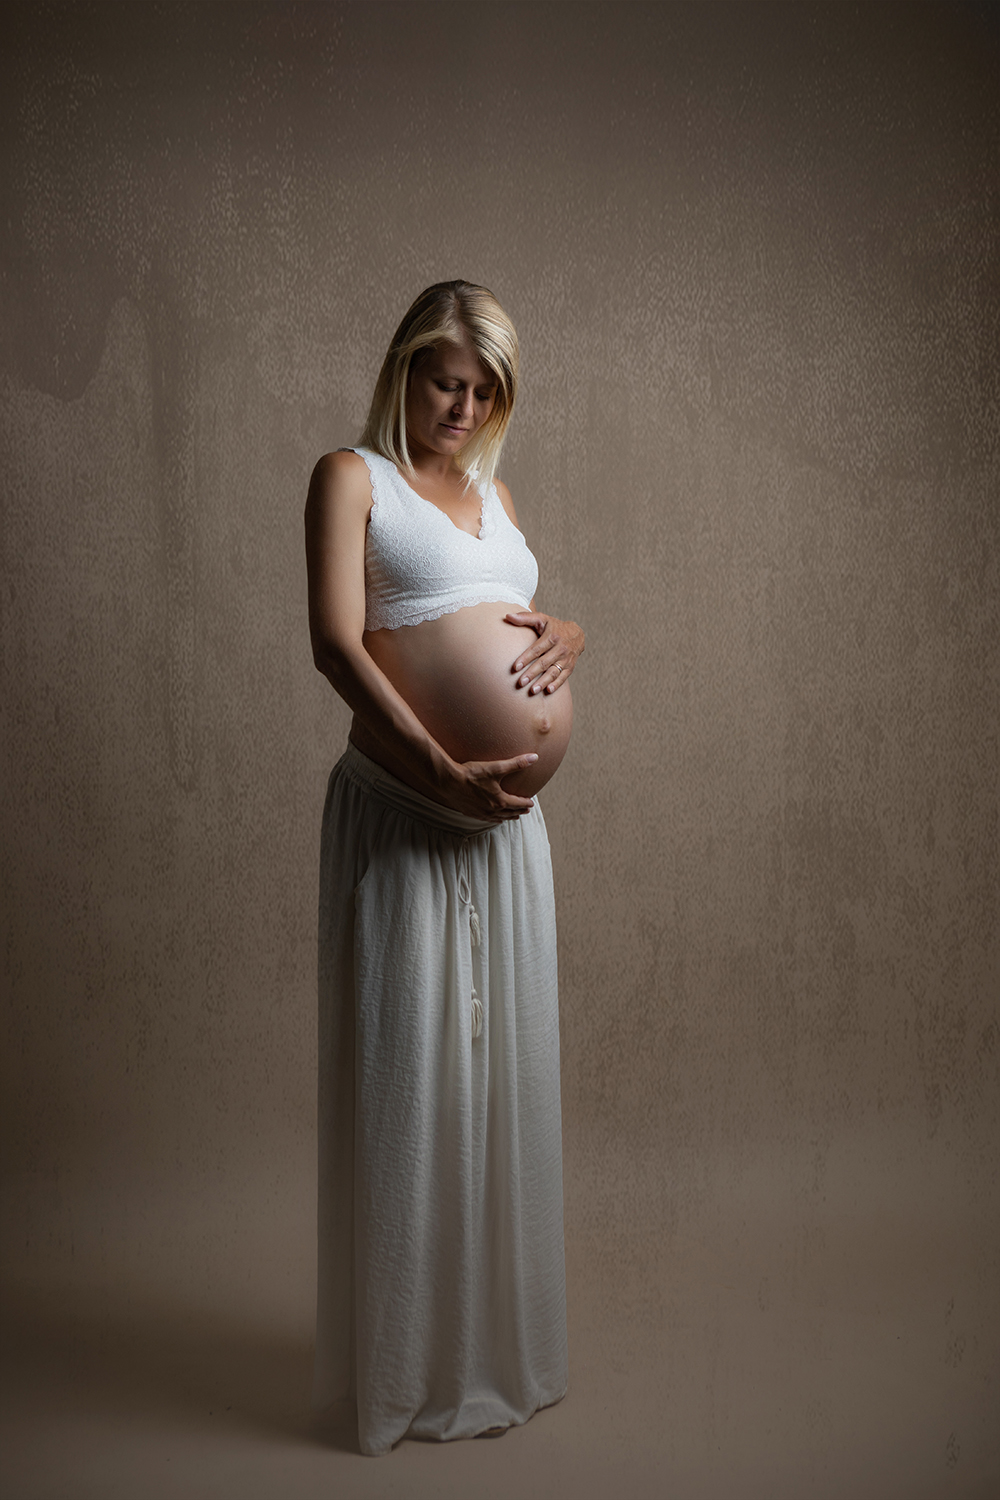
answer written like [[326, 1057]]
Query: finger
[[534, 622], [498, 769], [554, 660], [554, 674], [544, 653], [502, 804], [543, 683], [529, 617], [519, 806]]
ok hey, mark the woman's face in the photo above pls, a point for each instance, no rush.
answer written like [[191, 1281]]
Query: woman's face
[[450, 395]]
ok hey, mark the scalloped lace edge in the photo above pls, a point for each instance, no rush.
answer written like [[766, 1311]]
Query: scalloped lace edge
[[450, 609], [488, 497]]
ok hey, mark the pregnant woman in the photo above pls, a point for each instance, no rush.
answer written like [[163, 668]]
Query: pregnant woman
[[441, 1306]]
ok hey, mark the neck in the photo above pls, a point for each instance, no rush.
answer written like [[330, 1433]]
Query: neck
[[434, 466]]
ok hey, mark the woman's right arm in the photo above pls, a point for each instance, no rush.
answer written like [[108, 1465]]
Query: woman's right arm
[[337, 511]]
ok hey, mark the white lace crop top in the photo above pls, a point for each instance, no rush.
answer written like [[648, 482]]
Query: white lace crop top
[[419, 565]]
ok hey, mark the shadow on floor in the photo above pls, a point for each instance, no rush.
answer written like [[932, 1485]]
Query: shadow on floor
[[159, 1361]]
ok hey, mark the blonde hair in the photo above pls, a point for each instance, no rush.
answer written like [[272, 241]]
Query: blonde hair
[[447, 313]]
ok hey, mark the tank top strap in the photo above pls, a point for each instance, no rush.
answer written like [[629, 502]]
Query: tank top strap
[[384, 477]]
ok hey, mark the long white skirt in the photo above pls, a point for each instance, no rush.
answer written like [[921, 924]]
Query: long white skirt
[[441, 1301]]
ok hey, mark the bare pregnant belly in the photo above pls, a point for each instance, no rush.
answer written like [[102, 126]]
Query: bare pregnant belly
[[455, 673]]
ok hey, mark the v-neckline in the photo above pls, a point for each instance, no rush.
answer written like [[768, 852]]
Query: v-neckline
[[473, 536]]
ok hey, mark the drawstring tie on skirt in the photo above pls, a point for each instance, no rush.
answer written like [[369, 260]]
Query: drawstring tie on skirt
[[475, 929]]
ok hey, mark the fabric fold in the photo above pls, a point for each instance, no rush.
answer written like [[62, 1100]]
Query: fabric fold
[[441, 1307]]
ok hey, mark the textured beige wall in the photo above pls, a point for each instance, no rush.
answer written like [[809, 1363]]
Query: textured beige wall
[[753, 254]]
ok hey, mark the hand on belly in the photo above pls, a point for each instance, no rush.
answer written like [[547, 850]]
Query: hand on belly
[[457, 675]]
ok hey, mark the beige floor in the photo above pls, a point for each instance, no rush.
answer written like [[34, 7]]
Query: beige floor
[[794, 1351]]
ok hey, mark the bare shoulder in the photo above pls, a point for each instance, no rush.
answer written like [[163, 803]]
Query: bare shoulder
[[340, 468], [340, 479], [505, 499]]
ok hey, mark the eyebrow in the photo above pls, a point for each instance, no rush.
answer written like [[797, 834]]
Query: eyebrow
[[490, 380]]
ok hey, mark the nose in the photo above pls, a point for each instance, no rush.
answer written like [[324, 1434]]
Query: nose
[[462, 405]]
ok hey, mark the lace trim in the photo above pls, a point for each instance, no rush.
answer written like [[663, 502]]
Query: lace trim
[[487, 522], [487, 519], [371, 477], [488, 498], [452, 608]]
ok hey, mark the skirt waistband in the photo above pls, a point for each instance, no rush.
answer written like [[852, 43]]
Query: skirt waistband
[[378, 782]]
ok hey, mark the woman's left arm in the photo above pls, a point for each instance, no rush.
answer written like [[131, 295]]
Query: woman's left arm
[[547, 664]]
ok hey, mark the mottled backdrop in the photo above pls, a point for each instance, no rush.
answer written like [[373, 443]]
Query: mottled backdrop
[[753, 255]]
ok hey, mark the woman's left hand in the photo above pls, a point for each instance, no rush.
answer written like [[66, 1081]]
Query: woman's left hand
[[545, 666]]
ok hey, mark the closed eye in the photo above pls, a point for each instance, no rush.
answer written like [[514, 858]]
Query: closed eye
[[480, 395]]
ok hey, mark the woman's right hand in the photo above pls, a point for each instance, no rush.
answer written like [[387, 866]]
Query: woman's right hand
[[475, 789]]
